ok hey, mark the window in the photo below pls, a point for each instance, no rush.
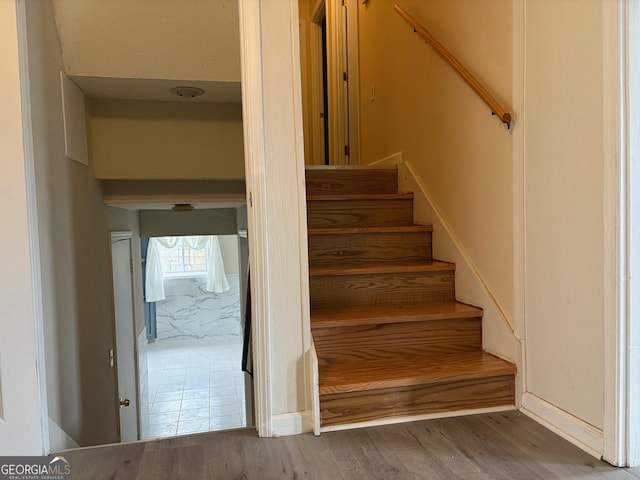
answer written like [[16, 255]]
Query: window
[[183, 260]]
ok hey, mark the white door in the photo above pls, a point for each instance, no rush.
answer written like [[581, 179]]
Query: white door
[[125, 354]]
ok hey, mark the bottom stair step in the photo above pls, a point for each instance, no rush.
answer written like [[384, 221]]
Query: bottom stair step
[[395, 371], [396, 387]]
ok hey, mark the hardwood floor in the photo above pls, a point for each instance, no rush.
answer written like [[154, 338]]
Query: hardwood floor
[[504, 445]]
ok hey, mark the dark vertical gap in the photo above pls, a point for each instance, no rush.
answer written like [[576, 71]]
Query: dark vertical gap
[[149, 307], [325, 97], [345, 27]]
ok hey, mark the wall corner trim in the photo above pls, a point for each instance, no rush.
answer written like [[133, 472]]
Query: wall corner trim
[[571, 428]]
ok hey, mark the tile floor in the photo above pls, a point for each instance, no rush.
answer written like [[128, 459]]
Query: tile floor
[[195, 386]]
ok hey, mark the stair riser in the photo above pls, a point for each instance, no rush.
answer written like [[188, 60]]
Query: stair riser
[[351, 182], [381, 289], [369, 405], [355, 249], [359, 213], [406, 339]]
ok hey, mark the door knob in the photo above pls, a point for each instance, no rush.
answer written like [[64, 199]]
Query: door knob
[[125, 402]]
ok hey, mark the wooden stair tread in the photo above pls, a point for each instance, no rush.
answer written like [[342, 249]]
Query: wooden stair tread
[[373, 315], [367, 269], [361, 196], [391, 340], [365, 230], [390, 371]]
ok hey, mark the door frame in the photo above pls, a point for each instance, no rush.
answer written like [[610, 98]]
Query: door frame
[[276, 215], [633, 123], [314, 69], [622, 237], [117, 236], [26, 391], [343, 95]]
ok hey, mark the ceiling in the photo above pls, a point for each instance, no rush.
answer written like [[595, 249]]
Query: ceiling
[[140, 50]]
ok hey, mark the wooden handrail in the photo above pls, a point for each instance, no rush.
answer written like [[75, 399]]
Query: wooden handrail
[[496, 108]]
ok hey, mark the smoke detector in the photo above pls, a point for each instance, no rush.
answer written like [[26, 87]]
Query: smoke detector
[[187, 92]]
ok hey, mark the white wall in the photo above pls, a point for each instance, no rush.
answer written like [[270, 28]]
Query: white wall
[[166, 140], [20, 417], [564, 209]]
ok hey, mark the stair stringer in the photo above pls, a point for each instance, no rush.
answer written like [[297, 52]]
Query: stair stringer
[[498, 336]]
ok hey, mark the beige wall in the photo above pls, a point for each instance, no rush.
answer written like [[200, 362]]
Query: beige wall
[[564, 159], [166, 140], [461, 154], [74, 248], [169, 39]]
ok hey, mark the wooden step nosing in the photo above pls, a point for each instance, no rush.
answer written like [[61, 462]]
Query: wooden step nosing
[[390, 320], [410, 382], [366, 230], [359, 197], [368, 269]]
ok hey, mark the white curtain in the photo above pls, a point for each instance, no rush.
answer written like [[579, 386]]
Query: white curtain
[[216, 277]]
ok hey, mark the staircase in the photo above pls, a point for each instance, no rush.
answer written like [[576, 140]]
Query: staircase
[[390, 337]]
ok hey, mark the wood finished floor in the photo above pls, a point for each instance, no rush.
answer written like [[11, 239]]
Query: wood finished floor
[[504, 445]]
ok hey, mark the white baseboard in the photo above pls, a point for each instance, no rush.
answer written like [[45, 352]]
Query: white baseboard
[[291, 423], [59, 440], [581, 434], [394, 159], [415, 418]]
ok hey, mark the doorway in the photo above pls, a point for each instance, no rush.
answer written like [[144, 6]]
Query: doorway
[[194, 343], [99, 352], [330, 88]]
